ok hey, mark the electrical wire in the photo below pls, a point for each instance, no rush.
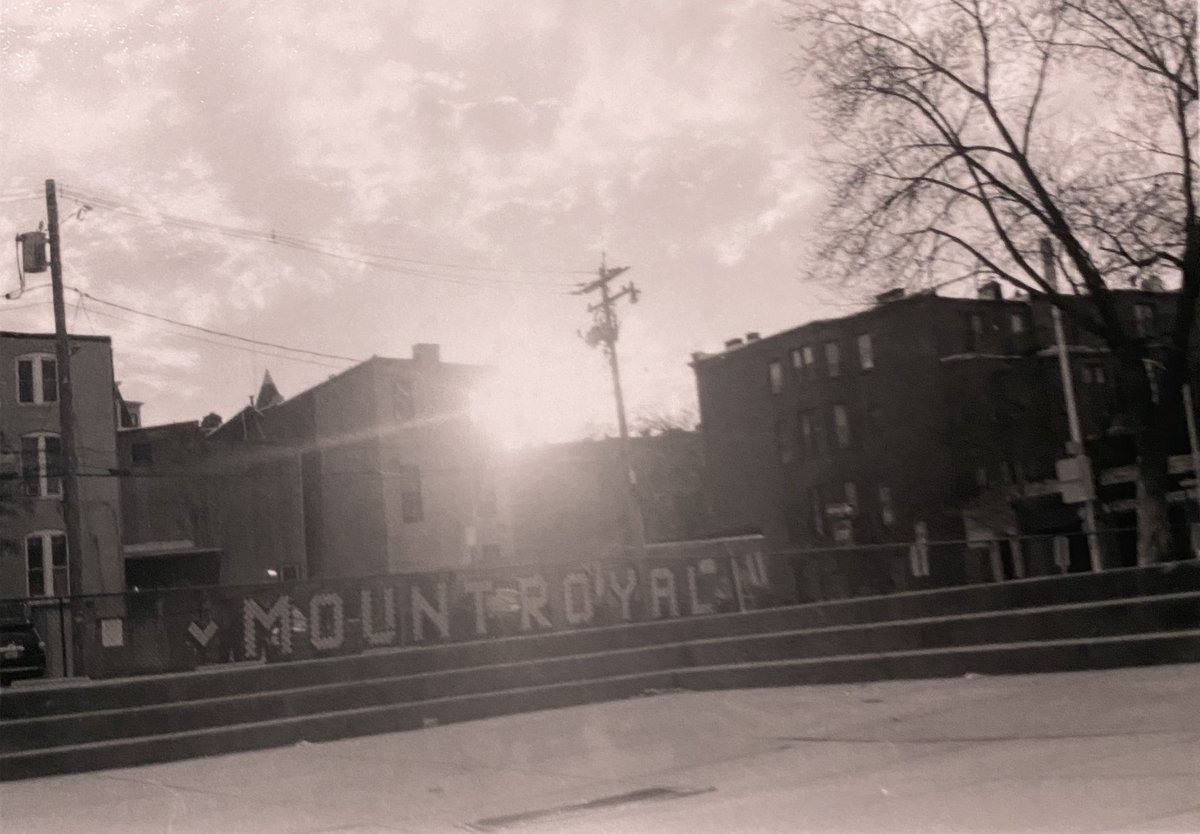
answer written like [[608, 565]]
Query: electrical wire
[[212, 332], [17, 198], [391, 263], [213, 342]]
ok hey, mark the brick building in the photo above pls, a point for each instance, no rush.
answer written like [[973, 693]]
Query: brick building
[[378, 469], [34, 559], [921, 416]]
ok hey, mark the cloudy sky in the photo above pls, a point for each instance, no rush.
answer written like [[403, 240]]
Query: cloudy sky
[[466, 163]]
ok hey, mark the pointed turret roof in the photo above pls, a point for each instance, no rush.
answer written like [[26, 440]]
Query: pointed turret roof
[[268, 394]]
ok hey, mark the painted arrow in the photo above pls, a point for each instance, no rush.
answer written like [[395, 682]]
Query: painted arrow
[[202, 635]]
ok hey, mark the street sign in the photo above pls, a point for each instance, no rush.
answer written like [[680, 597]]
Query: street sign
[[1075, 481]]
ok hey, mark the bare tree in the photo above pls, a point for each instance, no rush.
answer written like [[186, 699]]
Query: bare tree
[[650, 422], [966, 131]]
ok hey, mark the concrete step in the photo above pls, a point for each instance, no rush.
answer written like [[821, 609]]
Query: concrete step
[[1045, 655], [256, 678], [1151, 614]]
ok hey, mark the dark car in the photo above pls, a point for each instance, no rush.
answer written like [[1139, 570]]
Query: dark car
[[22, 651]]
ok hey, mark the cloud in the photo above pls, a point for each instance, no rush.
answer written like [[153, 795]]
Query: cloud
[[436, 134]]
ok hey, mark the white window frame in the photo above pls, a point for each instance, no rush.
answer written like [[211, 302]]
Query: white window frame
[[43, 467], [46, 537], [39, 384], [866, 352]]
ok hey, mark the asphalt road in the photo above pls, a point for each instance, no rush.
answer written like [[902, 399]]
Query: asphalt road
[[1091, 751]]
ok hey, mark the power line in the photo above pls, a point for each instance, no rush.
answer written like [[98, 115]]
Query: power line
[[391, 263], [212, 332], [87, 311]]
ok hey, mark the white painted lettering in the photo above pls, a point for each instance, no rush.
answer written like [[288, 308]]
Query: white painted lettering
[[331, 603], [533, 600], [280, 613], [422, 610], [386, 636], [698, 607], [577, 598], [624, 592], [662, 588], [479, 589]]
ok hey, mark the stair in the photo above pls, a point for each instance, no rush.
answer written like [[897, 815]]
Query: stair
[[1086, 621]]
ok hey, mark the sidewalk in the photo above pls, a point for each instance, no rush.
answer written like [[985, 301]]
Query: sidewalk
[[1089, 751]]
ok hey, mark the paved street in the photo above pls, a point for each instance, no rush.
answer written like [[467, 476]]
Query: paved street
[[1092, 751]]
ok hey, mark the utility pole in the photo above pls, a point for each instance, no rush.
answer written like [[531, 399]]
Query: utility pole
[[1082, 465], [66, 404], [605, 332]]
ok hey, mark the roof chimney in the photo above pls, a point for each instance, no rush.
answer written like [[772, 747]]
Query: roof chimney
[[732, 343], [990, 291], [753, 336], [426, 354], [891, 295]]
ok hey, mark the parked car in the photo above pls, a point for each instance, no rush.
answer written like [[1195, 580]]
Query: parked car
[[22, 651]]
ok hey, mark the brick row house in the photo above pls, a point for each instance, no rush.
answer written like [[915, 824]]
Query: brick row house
[[921, 417], [34, 558], [378, 469]]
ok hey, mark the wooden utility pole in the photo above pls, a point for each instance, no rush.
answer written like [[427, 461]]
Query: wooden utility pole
[[605, 332], [66, 404]]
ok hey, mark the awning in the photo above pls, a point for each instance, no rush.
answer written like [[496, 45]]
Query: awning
[[154, 550]]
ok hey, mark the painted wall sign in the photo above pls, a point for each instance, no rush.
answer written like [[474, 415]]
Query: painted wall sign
[[288, 621]]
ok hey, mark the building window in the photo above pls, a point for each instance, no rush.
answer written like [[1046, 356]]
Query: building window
[[866, 352], [833, 359], [798, 364], [37, 379], [41, 465], [1143, 320], [1016, 323], [974, 331], [804, 427], [402, 400], [818, 511], [411, 506], [810, 361], [841, 425], [782, 449], [981, 477], [851, 492], [775, 373], [142, 453], [886, 513], [874, 419], [46, 564]]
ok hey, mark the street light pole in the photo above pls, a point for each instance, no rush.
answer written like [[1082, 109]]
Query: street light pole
[[1075, 446]]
